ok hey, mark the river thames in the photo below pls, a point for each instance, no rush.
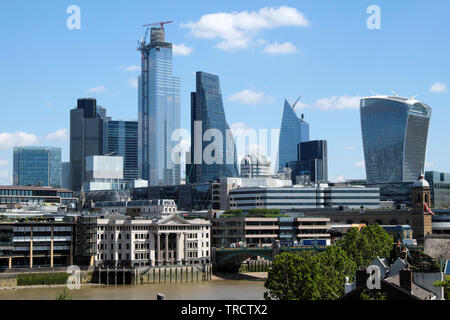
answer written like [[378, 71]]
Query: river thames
[[216, 289]]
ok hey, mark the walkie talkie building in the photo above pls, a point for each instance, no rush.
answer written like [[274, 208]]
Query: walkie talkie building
[[394, 133]]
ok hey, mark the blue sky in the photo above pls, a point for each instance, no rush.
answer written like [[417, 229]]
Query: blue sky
[[263, 52]]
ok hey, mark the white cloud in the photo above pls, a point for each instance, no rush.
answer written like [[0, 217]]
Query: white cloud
[[250, 97], [9, 140], [131, 68], [237, 30], [333, 103], [337, 179], [3, 163], [133, 82], [5, 178], [438, 87], [182, 50], [360, 164], [280, 48], [58, 135], [238, 127], [428, 164], [343, 102], [350, 147], [97, 89]]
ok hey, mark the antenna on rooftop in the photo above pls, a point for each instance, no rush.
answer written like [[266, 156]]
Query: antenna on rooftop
[[413, 97], [374, 93]]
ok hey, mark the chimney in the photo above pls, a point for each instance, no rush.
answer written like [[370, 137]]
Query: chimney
[[361, 278], [406, 279]]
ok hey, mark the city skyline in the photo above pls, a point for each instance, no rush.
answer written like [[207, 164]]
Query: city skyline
[[331, 109]]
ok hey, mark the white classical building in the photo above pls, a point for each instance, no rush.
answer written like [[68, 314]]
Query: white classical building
[[167, 240]]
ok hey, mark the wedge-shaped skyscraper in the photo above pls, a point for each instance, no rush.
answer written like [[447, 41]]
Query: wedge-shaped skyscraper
[[394, 133], [293, 131]]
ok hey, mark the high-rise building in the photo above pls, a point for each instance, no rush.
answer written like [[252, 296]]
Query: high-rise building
[[293, 131], [208, 115], [121, 139], [158, 111], [37, 166], [394, 133], [312, 162], [86, 138], [65, 175]]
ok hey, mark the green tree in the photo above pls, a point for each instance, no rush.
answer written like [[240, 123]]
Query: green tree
[[365, 245], [295, 276], [337, 265], [370, 295]]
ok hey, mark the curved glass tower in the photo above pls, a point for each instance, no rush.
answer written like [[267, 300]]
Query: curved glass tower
[[207, 110], [293, 131], [394, 132]]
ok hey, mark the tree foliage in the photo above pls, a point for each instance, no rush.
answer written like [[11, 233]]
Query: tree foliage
[[310, 275], [365, 245]]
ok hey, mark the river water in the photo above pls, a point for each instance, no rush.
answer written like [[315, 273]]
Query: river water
[[205, 290]]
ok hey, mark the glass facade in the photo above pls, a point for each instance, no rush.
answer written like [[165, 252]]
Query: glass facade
[[207, 107], [37, 166], [86, 138], [293, 131], [394, 132], [121, 139], [158, 112]]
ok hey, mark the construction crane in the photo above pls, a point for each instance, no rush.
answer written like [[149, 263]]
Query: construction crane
[[162, 23]]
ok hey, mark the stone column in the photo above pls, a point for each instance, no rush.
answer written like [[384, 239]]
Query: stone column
[[51, 246], [178, 249], [166, 251], [10, 262], [158, 248], [31, 246], [152, 252]]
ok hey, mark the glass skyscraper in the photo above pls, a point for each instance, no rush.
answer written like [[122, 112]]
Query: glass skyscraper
[[37, 166], [312, 162], [86, 138], [293, 131], [394, 133], [158, 111], [121, 139], [207, 107]]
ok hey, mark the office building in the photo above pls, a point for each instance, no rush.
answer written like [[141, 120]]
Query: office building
[[208, 116], [254, 165], [86, 138], [293, 131], [312, 163], [394, 133], [158, 111], [40, 242], [65, 175], [37, 166], [169, 240], [440, 188], [35, 195], [261, 231], [121, 139], [299, 197], [104, 173]]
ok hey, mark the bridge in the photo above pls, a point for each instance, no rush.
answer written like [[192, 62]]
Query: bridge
[[232, 258]]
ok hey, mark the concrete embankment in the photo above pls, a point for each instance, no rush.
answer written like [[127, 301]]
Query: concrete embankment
[[253, 276]]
